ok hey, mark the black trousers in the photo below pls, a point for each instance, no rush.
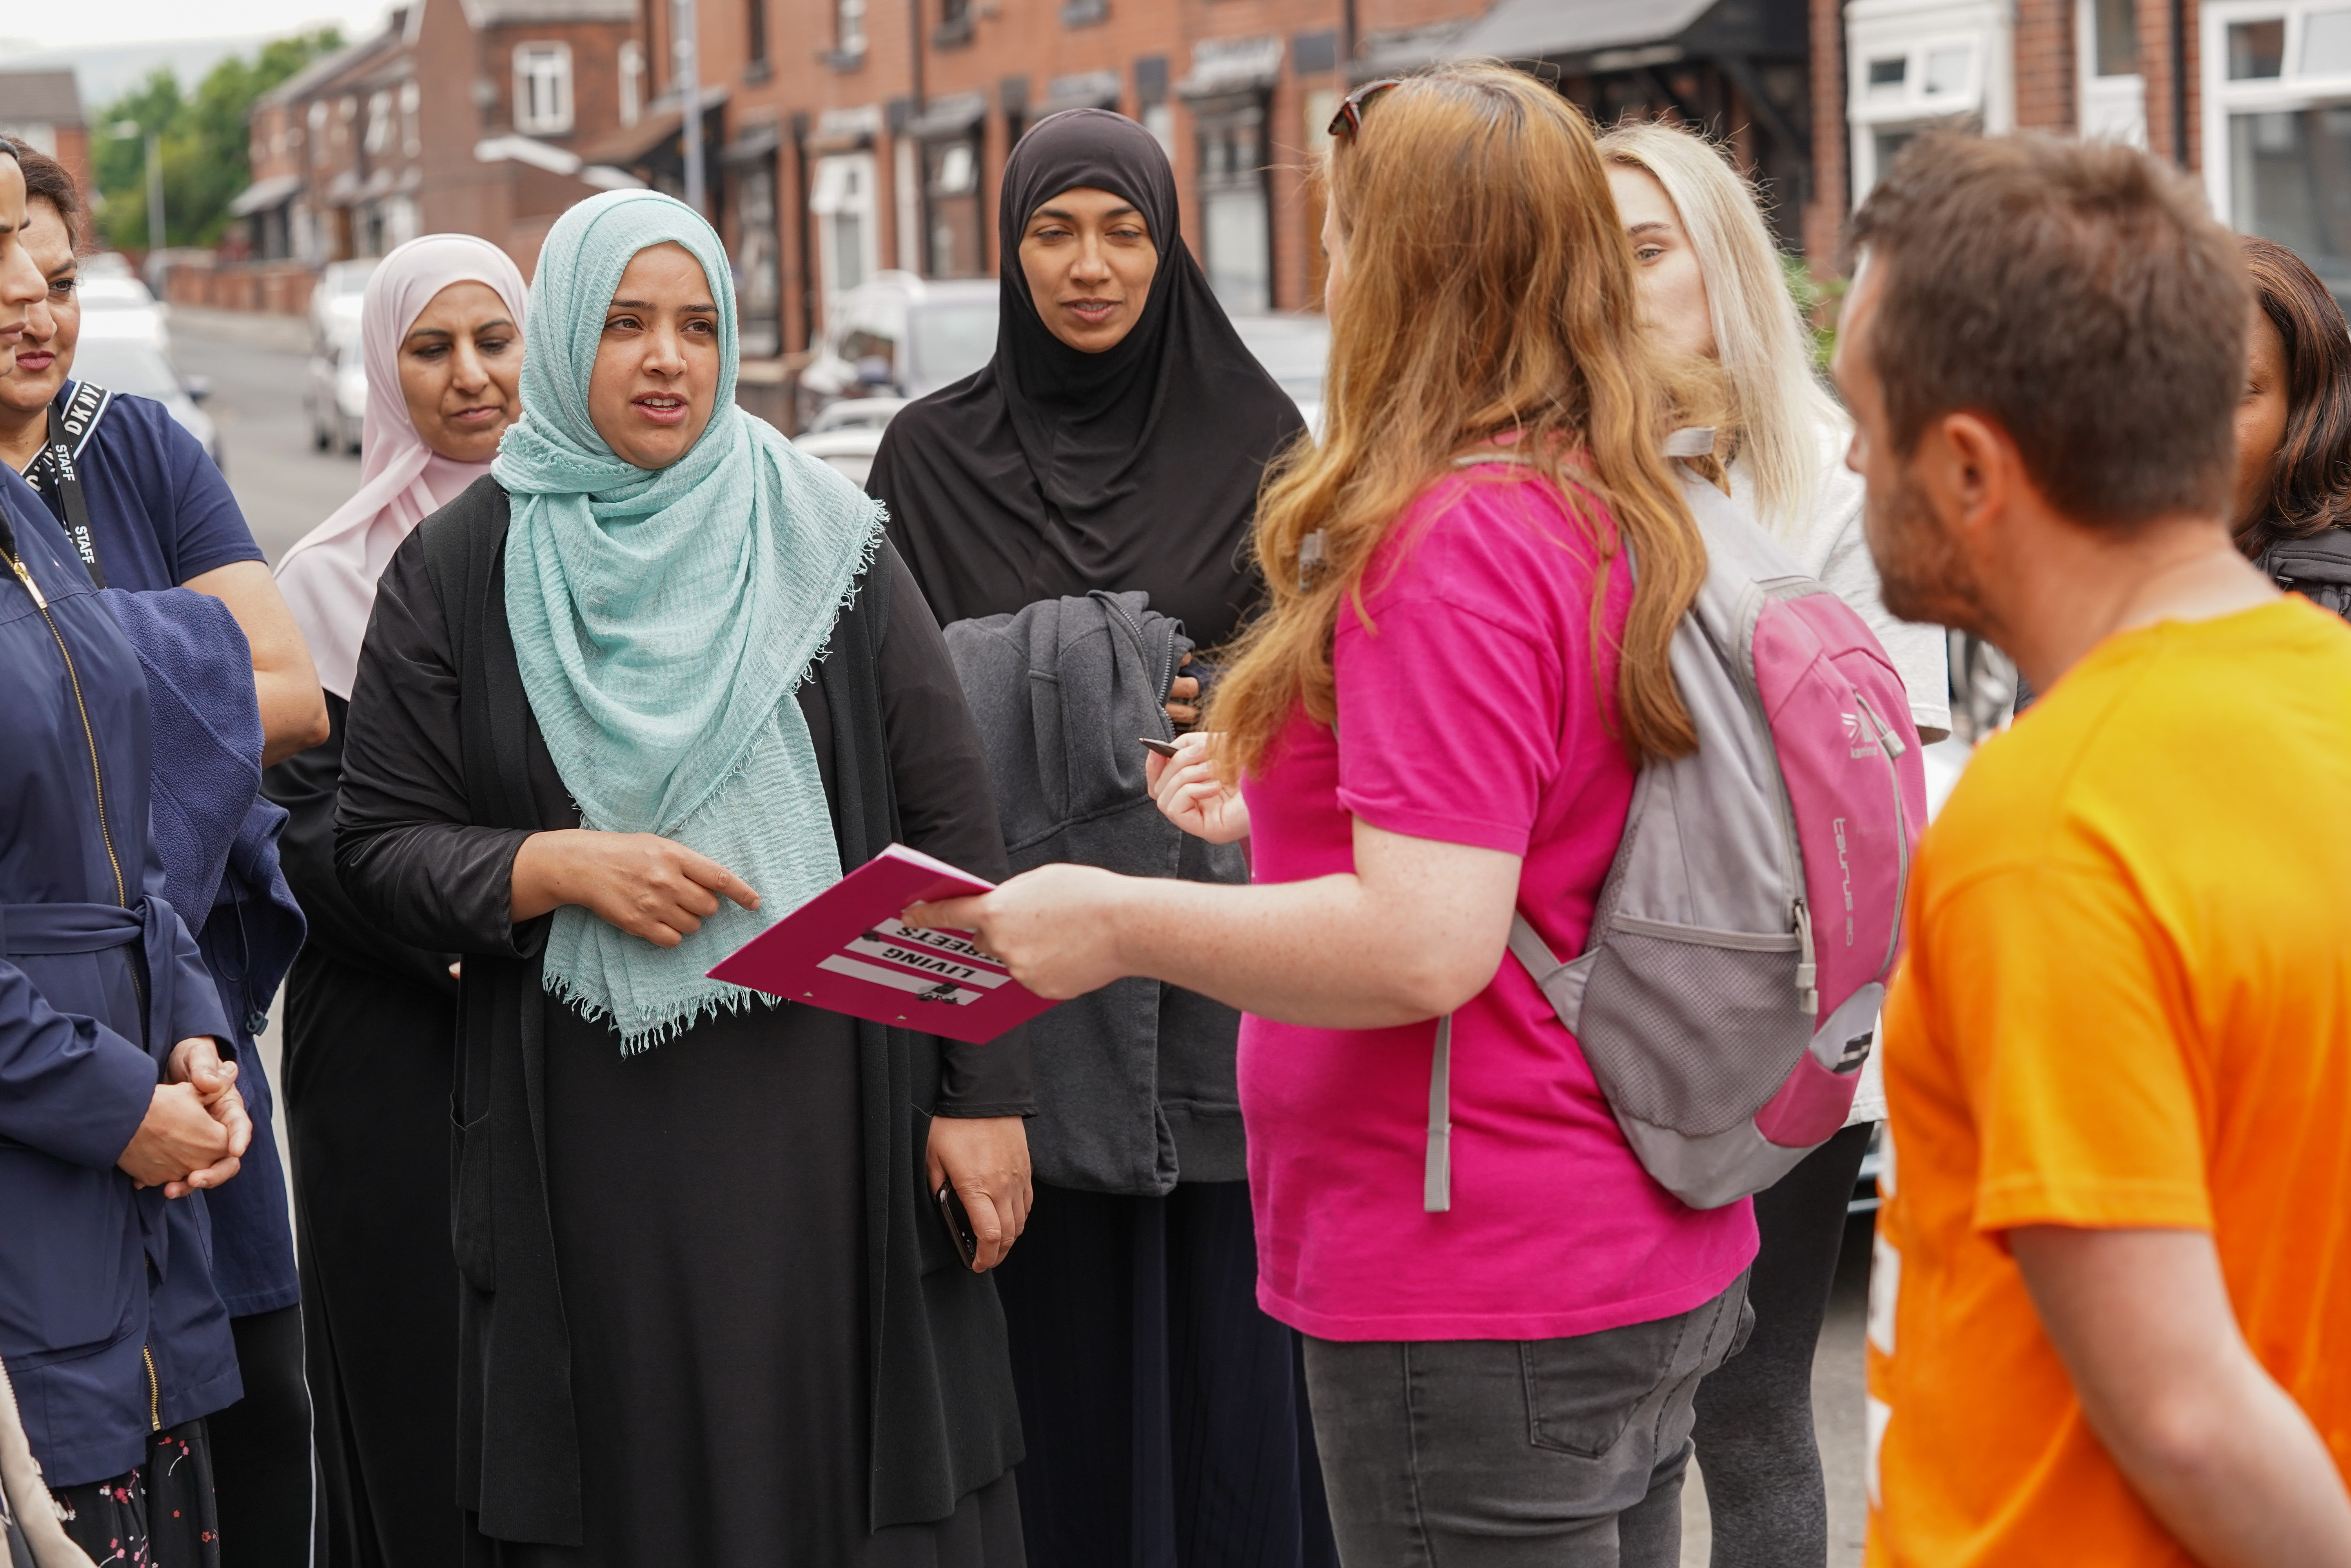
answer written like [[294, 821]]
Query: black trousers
[[263, 1472], [1165, 1414], [1755, 1438]]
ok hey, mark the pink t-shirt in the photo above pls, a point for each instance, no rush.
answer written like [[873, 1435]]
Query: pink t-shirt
[[1469, 715]]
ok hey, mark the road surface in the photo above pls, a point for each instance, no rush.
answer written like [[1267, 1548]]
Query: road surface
[[257, 371], [286, 488]]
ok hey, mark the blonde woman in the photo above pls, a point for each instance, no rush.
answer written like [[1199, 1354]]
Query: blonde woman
[[1711, 287], [1438, 719]]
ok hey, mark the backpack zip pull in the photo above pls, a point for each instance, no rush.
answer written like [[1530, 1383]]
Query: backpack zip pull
[[1886, 736], [1807, 971]]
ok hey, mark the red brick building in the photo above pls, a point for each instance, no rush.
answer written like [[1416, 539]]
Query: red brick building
[[844, 137], [2252, 95], [42, 109], [463, 115]]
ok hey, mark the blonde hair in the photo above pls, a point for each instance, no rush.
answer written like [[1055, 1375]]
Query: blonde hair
[[1761, 343], [1489, 289]]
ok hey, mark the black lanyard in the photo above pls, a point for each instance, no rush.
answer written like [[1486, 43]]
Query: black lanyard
[[56, 467]]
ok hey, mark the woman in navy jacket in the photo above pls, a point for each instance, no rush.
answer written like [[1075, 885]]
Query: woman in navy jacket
[[115, 1107]]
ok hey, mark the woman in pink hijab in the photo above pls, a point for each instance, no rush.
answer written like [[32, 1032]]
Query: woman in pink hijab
[[441, 330], [369, 1020]]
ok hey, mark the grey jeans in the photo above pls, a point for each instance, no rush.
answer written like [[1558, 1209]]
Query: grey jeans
[[1554, 1453]]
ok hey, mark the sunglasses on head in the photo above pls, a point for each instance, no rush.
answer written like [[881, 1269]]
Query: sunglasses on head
[[1348, 123]]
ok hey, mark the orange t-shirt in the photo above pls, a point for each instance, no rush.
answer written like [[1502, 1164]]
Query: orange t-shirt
[[2127, 1005]]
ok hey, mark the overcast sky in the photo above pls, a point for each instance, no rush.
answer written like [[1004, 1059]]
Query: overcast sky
[[138, 21], [114, 44]]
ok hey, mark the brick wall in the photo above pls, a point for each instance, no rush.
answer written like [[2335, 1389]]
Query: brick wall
[[2047, 69], [1825, 214], [1028, 38], [73, 151]]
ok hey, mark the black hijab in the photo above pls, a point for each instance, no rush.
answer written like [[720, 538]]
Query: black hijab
[[1051, 471]]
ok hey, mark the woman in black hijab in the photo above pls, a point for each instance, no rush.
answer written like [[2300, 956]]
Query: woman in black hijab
[[1115, 443], [1059, 469]]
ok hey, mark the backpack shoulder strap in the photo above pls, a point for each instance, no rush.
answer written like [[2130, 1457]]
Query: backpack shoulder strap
[[1437, 1182]]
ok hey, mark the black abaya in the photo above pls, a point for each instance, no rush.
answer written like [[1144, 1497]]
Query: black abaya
[[1165, 1417], [1165, 1414], [710, 1306], [715, 1355], [370, 1037]]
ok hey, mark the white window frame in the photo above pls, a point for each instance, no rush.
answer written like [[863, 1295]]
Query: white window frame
[[548, 63], [845, 182], [1916, 31], [411, 129], [2289, 91], [848, 39], [2113, 108], [381, 127]]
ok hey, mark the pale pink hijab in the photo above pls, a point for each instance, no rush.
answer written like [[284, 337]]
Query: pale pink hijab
[[328, 577]]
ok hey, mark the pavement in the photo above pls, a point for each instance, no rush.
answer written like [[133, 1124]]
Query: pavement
[[258, 366]]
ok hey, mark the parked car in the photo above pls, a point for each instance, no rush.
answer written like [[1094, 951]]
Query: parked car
[[948, 331], [116, 305], [899, 336], [129, 364], [335, 397], [846, 433], [1295, 351], [336, 296]]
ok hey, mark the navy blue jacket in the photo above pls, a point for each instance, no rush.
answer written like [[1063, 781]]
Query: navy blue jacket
[[217, 840], [109, 1322], [161, 514]]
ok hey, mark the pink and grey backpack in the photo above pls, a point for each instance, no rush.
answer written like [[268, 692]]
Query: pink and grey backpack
[[1728, 992]]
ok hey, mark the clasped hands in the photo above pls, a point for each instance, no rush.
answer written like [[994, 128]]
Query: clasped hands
[[196, 1130]]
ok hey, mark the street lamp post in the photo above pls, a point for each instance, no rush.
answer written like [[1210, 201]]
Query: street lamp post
[[686, 54], [124, 129]]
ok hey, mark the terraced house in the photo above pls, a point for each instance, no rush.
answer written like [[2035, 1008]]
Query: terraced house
[[2252, 95], [460, 115], [847, 137]]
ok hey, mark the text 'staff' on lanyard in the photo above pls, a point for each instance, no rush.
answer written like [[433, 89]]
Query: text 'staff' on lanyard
[[69, 425]]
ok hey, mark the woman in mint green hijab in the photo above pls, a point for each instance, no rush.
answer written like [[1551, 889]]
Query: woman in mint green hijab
[[643, 691]]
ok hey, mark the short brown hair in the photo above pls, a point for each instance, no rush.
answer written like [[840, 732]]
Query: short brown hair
[[47, 179], [2078, 293], [2310, 483]]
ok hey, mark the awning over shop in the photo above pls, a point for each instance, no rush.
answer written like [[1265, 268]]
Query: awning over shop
[[949, 116], [658, 126], [846, 130], [527, 150], [1402, 50], [1620, 35], [1086, 90], [263, 194], [755, 143], [1232, 64]]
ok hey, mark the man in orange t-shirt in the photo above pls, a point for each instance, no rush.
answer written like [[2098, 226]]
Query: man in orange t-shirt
[[2110, 1318]]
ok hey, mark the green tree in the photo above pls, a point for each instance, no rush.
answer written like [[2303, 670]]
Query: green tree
[[204, 141]]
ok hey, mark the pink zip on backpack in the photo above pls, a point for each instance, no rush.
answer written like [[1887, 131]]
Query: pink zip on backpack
[[1728, 992]]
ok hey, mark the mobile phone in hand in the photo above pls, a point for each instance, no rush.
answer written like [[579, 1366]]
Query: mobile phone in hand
[[958, 1219], [1163, 747]]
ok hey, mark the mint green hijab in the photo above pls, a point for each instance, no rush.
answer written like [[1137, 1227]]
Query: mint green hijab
[[662, 620]]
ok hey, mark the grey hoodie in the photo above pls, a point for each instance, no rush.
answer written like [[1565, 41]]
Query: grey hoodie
[[1135, 1081]]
